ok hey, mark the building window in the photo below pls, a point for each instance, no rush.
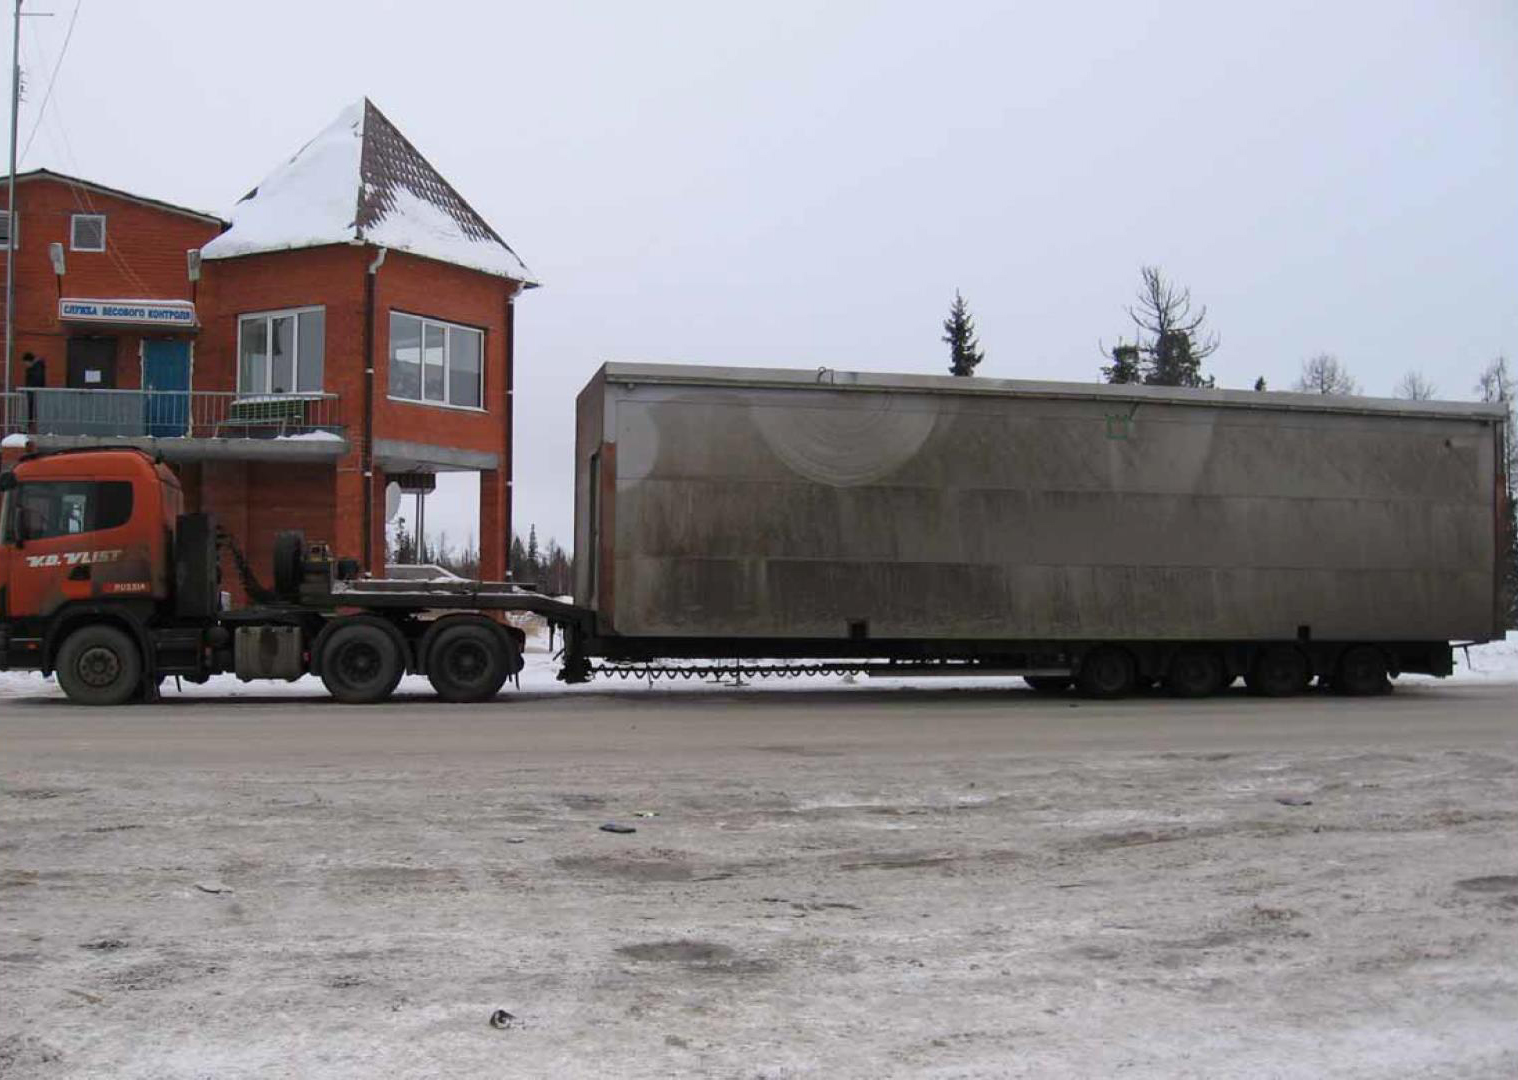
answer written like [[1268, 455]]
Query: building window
[[281, 352], [435, 362], [6, 231], [87, 232]]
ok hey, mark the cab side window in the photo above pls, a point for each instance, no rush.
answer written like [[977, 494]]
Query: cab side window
[[66, 507]]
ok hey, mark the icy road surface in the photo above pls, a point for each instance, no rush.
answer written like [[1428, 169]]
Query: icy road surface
[[840, 881]]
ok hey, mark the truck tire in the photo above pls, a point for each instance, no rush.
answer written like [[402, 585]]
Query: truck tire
[[1195, 673], [1106, 672], [99, 665], [1279, 671], [361, 661], [1361, 672], [1048, 684], [469, 662]]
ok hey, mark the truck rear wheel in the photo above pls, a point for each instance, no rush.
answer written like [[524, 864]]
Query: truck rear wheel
[[469, 662], [1106, 672], [99, 665], [361, 662], [1196, 672], [1279, 671], [1361, 672]]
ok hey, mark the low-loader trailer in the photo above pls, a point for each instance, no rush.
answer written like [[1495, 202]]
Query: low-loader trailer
[[773, 521]]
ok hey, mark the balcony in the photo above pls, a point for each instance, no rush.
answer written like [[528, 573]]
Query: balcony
[[193, 425]]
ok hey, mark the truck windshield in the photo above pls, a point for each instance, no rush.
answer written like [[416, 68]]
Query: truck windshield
[[66, 507]]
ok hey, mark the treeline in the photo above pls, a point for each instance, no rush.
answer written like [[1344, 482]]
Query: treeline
[[547, 566]]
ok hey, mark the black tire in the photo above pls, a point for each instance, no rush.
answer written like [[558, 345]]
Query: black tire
[[361, 662], [289, 562], [1049, 684], [1361, 672], [99, 665], [469, 662], [1106, 672], [1279, 671], [1195, 673]]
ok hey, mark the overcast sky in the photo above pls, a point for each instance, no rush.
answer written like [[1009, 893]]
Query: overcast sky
[[806, 184]]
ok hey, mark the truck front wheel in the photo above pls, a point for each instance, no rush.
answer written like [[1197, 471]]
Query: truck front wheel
[[99, 665], [361, 663], [469, 662]]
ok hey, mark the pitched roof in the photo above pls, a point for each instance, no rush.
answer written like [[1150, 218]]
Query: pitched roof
[[101, 189], [361, 181]]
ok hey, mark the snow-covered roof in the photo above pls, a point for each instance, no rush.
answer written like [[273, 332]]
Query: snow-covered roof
[[361, 181]]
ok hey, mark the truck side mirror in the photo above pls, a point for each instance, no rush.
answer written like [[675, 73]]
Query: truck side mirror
[[7, 481]]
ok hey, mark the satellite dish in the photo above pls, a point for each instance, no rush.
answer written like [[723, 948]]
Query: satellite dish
[[392, 500]]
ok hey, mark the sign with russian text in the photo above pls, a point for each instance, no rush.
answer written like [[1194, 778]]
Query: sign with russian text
[[135, 312]]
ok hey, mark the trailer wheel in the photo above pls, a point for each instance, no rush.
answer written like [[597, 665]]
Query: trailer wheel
[[99, 665], [1048, 684], [469, 662], [361, 663], [1106, 672], [1195, 673], [1361, 672], [1279, 671]]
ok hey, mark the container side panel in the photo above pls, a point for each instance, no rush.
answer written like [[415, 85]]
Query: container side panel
[[793, 512]]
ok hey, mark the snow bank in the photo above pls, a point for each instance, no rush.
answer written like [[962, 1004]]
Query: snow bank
[[310, 436]]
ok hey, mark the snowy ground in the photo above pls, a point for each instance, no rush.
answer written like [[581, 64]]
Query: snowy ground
[[851, 880], [1495, 662]]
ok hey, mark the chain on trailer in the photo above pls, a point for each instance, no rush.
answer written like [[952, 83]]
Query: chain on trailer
[[739, 671], [653, 672]]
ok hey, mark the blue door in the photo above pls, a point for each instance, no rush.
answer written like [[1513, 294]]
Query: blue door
[[166, 386]]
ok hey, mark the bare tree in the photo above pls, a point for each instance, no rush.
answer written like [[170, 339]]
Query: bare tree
[[1415, 387], [1323, 374], [1171, 342]]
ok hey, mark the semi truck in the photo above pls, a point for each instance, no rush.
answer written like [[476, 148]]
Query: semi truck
[[760, 521]]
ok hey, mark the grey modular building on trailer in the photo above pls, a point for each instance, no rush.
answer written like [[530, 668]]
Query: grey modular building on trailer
[[1022, 525]]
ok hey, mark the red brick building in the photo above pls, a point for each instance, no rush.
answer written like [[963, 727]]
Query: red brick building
[[352, 323]]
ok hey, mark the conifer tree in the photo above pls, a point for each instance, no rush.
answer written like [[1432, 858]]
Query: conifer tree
[[959, 334], [1171, 341]]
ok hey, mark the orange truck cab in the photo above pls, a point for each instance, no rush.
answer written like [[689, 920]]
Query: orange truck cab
[[86, 539]]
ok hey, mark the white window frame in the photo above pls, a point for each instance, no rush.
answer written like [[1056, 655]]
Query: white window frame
[[245, 393], [74, 220], [11, 231], [428, 320]]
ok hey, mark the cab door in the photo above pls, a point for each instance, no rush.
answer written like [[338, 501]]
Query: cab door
[[65, 540]]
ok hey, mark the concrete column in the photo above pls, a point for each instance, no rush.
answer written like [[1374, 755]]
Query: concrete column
[[378, 481], [348, 510], [495, 520]]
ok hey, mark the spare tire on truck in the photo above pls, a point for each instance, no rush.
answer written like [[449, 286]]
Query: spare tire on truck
[[289, 563], [99, 665]]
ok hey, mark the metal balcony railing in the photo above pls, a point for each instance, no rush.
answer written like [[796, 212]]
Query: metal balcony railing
[[171, 414]]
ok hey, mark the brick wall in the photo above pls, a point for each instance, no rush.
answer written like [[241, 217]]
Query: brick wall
[[144, 259]]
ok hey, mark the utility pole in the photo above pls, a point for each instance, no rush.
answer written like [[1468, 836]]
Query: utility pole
[[10, 210]]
